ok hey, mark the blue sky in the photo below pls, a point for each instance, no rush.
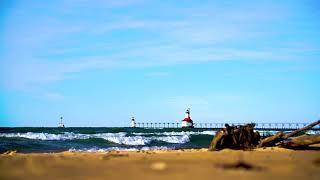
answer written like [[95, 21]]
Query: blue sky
[[98, 62]]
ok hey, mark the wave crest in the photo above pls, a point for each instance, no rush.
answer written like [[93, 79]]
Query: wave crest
[[118, 138]]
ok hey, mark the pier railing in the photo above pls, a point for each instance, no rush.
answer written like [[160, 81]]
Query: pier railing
[[258, 126]]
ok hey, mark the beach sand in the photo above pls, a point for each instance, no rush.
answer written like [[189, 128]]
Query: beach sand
[[269, 163]]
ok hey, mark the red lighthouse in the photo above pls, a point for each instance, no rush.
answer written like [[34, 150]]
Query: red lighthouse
[[187, 121]]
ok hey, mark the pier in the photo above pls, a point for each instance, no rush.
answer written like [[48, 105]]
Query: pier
[[216, 126]]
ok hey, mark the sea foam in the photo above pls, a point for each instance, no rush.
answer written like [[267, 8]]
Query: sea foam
[[144, 148], [118, 138]]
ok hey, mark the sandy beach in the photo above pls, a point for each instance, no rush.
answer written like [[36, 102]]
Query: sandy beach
[[269, 163]]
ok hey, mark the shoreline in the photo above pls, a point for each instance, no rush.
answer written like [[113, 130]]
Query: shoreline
[[314, 147], [262, 163]]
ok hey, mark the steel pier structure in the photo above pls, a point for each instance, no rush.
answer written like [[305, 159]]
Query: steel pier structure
[[215, 126]]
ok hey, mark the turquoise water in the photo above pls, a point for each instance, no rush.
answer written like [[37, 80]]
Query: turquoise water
[[101, 139]]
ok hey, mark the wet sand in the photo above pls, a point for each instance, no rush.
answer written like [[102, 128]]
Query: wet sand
[[270, 163]]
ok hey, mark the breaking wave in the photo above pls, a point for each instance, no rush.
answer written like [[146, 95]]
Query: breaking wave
[[46, 136], [127, 140], [174, 139], [118, 138]]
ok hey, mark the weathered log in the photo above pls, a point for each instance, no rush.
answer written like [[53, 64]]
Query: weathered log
[[302, 129], [217, 138], [270, 141], [301, 141], [280, 136]]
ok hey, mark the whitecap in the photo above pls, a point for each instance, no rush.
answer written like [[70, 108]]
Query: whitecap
[[174, 139], [128, 140], [118, 138], [63, 136]]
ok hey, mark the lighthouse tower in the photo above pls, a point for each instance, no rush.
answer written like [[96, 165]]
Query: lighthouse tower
[[133, 122], [187, 122], [61, 125]]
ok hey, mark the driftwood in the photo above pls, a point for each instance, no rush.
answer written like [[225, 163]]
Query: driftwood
[[271, 141], [280, 136], [217, 138], [301, 141], [243, 137], [235, 137], [302, 129]]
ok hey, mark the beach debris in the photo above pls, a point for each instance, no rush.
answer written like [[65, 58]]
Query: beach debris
[[238, 165], [235, 137], [244, 137], [272, 140], [281, 139], [158, 166], [300, 141], [302, 129], [10, 152]]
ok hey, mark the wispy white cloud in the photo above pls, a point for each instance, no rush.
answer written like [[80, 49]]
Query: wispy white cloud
[[48, 48], [25, 74]]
